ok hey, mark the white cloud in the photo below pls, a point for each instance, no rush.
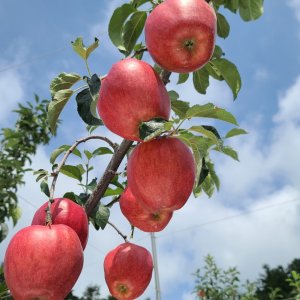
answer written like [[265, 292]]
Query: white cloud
[[295, 5], [12, 92]]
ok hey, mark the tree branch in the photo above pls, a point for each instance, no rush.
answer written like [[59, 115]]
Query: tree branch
[[107, 176]]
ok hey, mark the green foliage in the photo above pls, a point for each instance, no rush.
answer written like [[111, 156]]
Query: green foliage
[[215, 283], [17, 145]]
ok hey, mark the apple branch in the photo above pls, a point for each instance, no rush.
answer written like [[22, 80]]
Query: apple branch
[[62, 163], [108, 175]]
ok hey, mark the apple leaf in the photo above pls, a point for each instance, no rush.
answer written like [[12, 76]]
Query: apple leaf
[[84, 101], [209, 110], [137, 3], [72, 171], [113, 192], [100, 217], [82, 50], [173, 95], [235, 132], [232, 5], [15, 213], [45, 188], [223, 27], [180, 107], [183, 77], [3, 231], [201, 80], [153, 128], [230, 73], [208, 185], [133, 29], [209, 134], [63, 81], [116, 24], [56, 106], [213, 174], [228, 151], [101, 151], [55, 153], [218, 52], [251, 9]]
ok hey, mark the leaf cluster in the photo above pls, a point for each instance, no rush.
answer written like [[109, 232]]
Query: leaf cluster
[[17, 145]]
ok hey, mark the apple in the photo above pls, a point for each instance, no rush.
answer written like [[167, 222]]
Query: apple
[[128, 271], [65, 211], [180, 34], [43, 262], [132, 93], [161, 173], [140, 216]]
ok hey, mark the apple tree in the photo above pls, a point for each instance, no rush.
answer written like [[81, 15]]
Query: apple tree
[[166, 143]]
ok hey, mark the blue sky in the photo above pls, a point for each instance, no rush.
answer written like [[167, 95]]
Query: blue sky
[[35, 47]]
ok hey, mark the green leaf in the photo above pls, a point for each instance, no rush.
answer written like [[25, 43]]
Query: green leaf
[[133, 29], [15, 213], [113, 192], [183, 77], [223, 27], [173, 95], [251, 9], [202, 173], [180, 107], [152, 128], [228, 151], [3, 231], [235, 132], [56, 106], [230, 73], [55, 154], [213, 174], [62, 149], [207, 133], [137, 3], [45, 188], [102, 151], [208, 186], [84, 101], [209, 110], [201, 80], [100, 217], [63, 81], [88, 154], [218, 52], [116, 24], [71, 171], [232, 5], [82, 50]]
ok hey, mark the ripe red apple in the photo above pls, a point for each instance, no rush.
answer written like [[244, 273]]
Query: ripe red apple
[[65, 211], [43, 262], [180, 34], [161, 173], [140, 216], [128, 271], [132, 93]]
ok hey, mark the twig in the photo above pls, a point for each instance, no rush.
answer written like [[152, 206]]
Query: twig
[[118, 231], [62, 163]]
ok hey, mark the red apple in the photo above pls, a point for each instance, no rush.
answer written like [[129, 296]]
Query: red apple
[[140, 216], [43, 262], [161, 173], [132, 93], [128, 271], [180, 34], [65, 211]]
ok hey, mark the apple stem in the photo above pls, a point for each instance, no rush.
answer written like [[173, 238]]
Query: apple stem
[[118, 231]]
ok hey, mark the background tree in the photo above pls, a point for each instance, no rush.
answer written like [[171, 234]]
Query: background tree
[[17, 146]]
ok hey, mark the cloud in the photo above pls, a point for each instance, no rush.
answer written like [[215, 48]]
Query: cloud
[[295, 5], [12, 92]]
